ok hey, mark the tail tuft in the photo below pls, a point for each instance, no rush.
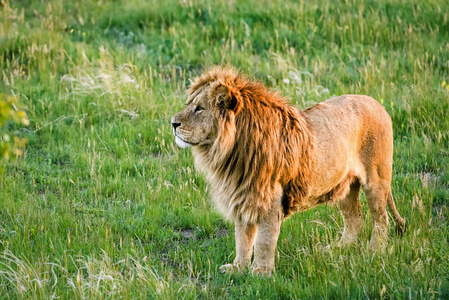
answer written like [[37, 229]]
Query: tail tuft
[[400, 222], [401, 228]]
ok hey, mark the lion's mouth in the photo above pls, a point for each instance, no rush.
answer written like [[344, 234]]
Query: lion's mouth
[[181, 142]]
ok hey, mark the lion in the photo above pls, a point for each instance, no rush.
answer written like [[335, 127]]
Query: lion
[[265, 159]]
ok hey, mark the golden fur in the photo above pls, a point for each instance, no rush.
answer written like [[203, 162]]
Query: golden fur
[[265, 159]]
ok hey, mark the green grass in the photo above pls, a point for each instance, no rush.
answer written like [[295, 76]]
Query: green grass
[[104, 205]]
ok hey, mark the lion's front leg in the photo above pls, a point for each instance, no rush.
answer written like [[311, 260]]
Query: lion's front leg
[[266, 241], [244, 240]]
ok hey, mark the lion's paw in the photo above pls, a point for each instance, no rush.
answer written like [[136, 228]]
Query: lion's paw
[[230, 269], [347, 240], [379, 246], [261, 271]]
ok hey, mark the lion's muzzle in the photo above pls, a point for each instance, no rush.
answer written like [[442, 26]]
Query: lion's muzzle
[[179, 140]]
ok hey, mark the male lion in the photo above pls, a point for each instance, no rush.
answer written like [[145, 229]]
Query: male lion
[[265, 159]]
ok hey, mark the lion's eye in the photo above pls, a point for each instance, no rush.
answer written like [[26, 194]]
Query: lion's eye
[[198, 109]]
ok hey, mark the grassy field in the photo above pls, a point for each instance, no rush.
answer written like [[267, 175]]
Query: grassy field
[[104, 205]]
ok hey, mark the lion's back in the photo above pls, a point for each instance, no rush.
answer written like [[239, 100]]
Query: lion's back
[[352, 134], [349, 116]]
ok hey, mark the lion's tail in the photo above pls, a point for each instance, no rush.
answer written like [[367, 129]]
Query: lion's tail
[[400, 222]]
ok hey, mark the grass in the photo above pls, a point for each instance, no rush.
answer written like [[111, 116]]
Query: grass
[[104, 205]]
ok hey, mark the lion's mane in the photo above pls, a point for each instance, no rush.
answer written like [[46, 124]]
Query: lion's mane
[[262, 151]]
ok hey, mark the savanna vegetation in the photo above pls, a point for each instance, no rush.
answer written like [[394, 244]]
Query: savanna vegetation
[[103, 204]]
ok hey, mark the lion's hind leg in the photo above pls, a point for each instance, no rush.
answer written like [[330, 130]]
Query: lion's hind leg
[[351, 211], [376, 196]]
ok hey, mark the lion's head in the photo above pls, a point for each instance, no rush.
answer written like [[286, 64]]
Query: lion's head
[[210, 110]]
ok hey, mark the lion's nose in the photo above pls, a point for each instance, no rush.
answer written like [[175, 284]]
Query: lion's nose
[[175, 125]]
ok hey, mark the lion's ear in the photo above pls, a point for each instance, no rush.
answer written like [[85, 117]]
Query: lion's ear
[[226, 98]]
